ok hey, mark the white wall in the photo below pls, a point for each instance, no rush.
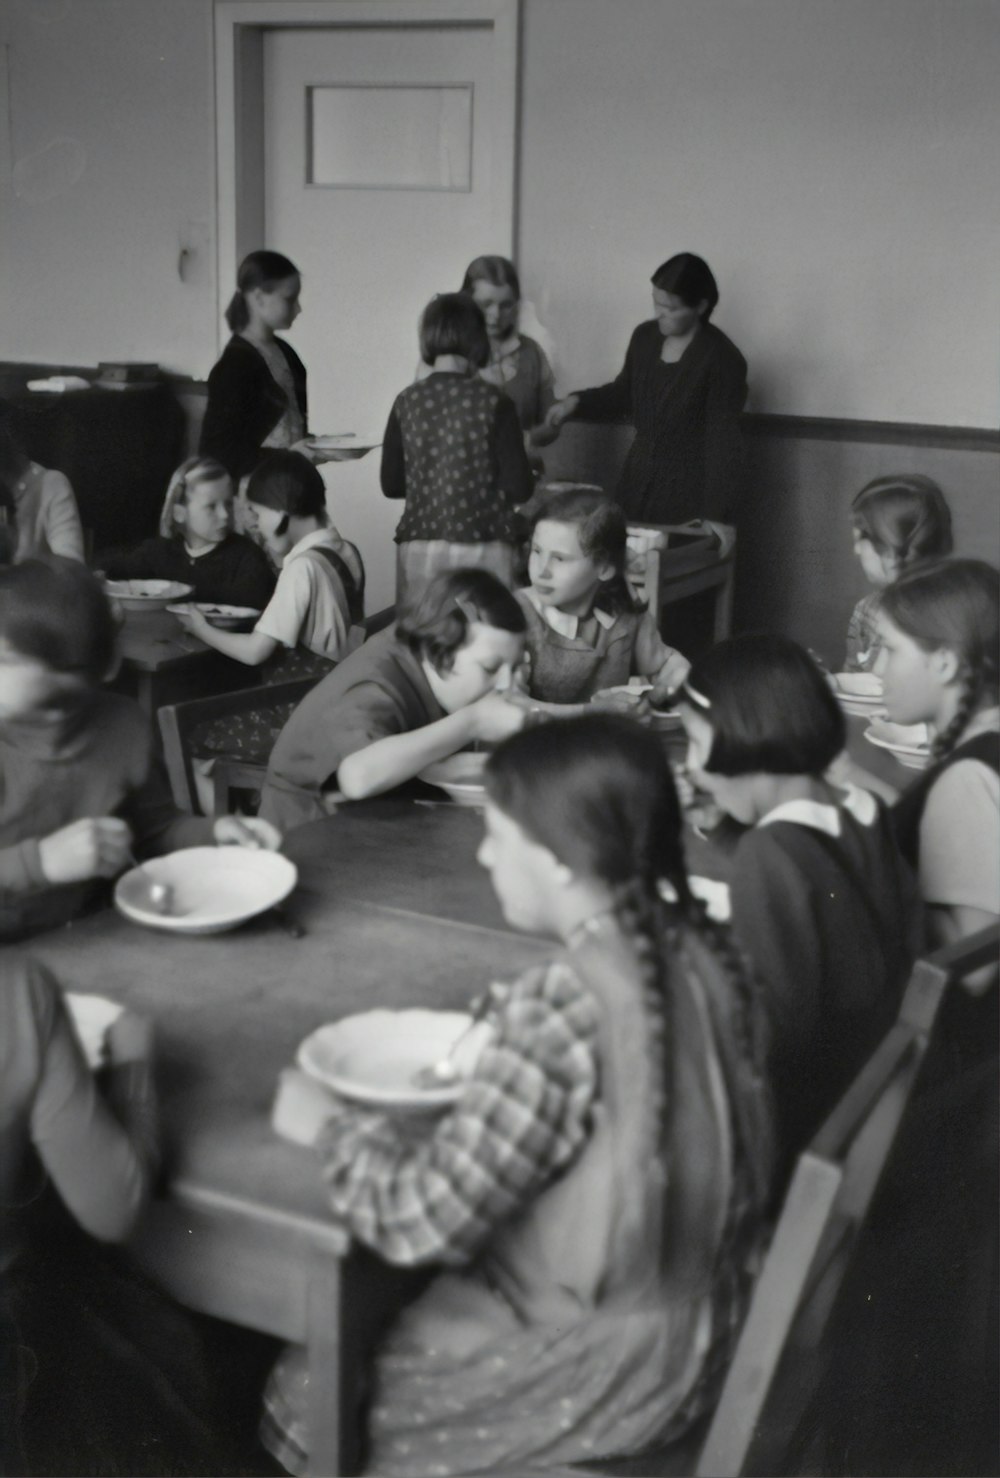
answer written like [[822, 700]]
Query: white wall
[[111, 169], [835, 160]]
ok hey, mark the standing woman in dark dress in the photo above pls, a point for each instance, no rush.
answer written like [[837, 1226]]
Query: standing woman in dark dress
[[257, 389], [683, 386]]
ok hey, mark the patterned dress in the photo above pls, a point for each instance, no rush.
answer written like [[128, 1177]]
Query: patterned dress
[[598, 1267]]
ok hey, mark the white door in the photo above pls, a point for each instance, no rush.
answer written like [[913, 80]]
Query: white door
[[382, 181]]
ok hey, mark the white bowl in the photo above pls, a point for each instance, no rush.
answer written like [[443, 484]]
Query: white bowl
[[374, 1057], [226, 618], [146, 595], [461, 775], [212, 888], [345, 446]]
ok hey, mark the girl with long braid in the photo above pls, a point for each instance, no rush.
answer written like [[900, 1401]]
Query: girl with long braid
[[938, 631], [598, 1188]]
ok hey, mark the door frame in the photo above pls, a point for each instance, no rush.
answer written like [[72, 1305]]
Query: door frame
[[239, 79]]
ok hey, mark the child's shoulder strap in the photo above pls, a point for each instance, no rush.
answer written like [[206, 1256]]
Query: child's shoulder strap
[[354, 589]]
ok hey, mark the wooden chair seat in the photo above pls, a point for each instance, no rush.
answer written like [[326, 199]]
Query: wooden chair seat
[[181, 722]]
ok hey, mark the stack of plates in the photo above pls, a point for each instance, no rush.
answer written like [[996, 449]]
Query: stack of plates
[[859, 693], [910, 743]]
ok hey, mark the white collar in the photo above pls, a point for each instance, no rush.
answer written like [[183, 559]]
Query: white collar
[[506, 347], [561, 622], [327, 535], [822, 817]]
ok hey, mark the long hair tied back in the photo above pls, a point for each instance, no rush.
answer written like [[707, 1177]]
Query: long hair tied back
[[190, 474], [953, 603], [260, 269], [905, 517]]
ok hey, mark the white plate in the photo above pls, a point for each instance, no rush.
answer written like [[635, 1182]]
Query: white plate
[[908, 742], [346, 445], [374, 1057], [859, 693], [213, 888], [146, 595], [226, 618], [92, 1016], [461, 775]]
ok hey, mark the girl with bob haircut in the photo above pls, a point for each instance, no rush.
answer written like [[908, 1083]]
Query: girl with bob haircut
[[605, 1169], [257, 389], [81, 785], [895, 522], [415, 693], [517, 364], [939, 638], [196, 544], [319, 597], [586, 630], [822, 903], [683, 387], [45, 518], [453, 449]]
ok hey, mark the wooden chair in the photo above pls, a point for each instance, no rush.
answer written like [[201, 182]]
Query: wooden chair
[[689, 564], [180, 721], [780, 1357]]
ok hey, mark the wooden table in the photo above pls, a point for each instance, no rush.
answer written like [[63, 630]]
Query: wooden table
[[397, 913], [163, 663]]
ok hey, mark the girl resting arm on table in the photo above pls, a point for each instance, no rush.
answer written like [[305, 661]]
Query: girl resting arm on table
[[598, 1185], [81, 785]]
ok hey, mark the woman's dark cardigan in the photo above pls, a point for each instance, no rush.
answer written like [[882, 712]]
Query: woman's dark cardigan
[[245, 403]]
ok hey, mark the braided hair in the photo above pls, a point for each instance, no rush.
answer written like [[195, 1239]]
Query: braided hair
[[598, 793], [953, 603], [904, 517]]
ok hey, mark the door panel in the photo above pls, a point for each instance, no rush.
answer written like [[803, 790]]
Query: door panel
[[373, 253]]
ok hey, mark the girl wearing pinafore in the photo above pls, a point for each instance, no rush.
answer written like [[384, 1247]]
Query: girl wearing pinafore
[[596, 1191], [586, 631], [453, 449], [312, 619]]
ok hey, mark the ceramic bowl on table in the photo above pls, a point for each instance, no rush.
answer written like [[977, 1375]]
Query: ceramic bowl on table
[[210, 889], [226, 618], [909, 743], [859, 693], [376, 1057], [146, 595], [461, 775]]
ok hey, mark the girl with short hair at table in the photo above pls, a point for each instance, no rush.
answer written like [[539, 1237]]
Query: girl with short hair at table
[[453, 449], [938, 659], [586, 630], [312, 617], [81, 785], [196, 544], [47, 518], [596, 1192], [896, 522], [683, 386], [822, 903], [413, 694]]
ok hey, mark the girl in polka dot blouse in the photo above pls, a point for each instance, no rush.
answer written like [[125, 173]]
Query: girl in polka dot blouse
[[453, 449]]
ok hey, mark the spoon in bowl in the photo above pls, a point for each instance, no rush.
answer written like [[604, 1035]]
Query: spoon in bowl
[[160, 895]]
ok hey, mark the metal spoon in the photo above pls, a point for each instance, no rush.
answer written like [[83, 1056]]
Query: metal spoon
[[444, 1073], [161, 895]]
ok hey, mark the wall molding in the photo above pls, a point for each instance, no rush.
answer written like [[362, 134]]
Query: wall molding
[[884, 433]]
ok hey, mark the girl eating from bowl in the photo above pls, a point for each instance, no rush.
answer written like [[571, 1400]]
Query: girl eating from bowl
[[196, 544], [81, 787], [415, 693], [596, 1189], [586, 631], [822, 903]]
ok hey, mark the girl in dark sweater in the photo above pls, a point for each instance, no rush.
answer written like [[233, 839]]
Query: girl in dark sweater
[[196, 543]]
